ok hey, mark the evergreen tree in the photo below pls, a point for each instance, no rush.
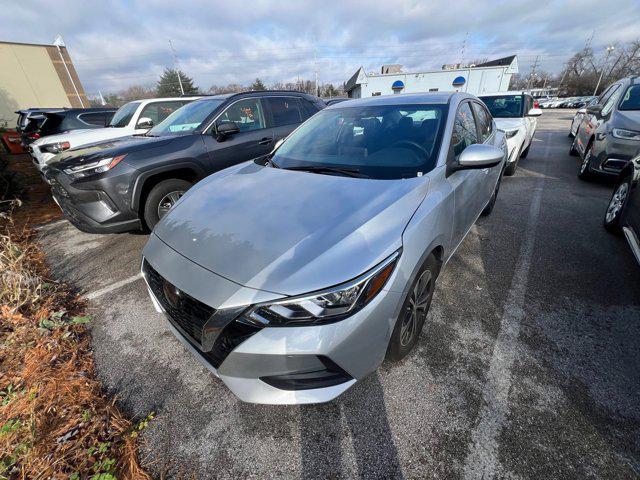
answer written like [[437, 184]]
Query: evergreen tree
[[258, 85], [169, 85]]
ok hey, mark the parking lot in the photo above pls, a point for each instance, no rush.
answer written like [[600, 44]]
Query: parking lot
[[528, 366]]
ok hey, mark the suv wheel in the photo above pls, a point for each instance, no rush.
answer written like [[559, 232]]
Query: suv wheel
[[162, 198], [414, 312], [613, 217], [585, 168]]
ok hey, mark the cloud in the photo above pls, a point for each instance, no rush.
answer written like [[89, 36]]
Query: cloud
[[122, 43]]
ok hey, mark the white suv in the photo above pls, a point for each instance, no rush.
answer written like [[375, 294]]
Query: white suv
[[516, 115], [133, 118]]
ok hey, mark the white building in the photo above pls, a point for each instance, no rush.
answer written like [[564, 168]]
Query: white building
[[493, 76]]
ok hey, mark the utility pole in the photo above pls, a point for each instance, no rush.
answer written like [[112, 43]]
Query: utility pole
[[464, 47], [175, 64], [315, 67], [610, 49], [533, 71]]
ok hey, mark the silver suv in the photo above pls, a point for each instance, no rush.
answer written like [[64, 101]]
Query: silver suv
[[609, 135], [293, 276]]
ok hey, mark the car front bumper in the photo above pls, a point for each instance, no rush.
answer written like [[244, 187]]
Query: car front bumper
[[94, 207], [271, 365]]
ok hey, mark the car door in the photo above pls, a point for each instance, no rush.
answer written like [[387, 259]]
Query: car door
[[254, 139], [468, 185], [593, 119], [285, 114]]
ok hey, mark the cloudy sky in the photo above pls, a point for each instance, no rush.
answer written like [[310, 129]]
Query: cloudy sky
[[115, 44]]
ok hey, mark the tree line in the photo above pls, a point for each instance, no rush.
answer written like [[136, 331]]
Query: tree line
[[171, 81], [585, 70]]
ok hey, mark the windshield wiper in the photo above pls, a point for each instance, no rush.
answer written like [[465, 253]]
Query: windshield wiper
[[347, 172]]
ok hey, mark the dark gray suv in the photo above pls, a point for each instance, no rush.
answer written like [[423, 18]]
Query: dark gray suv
[[609, 135], [130, 183]]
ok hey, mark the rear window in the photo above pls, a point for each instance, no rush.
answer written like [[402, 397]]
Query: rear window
[[631, 99]]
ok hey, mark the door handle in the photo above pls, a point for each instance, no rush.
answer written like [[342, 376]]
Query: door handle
[[265, 141]]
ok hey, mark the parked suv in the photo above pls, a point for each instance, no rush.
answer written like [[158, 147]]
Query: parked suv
[[133, 118], [292, 277], [37, 124], [131, 183], [609, 135], [515, 113]]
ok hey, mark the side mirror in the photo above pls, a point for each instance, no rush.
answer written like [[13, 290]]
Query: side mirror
[[534, 112], [144, 122], [479, 156], [226, 129], [594, 109]]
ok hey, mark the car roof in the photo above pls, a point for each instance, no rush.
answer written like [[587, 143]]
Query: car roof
[[401, 99], [503, 94]]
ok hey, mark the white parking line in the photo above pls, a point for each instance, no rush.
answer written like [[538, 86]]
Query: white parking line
[[112, 287], [482, 458]]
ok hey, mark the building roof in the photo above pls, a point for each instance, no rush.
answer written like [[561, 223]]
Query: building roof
[[353, 81], [500, 62]]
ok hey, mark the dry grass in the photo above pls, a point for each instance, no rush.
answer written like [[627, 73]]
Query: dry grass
[[54, 420]]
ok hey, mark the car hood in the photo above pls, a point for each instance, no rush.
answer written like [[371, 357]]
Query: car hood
[[290, 232], [506, 124], [111, 148], [82, 137], [627, 119]]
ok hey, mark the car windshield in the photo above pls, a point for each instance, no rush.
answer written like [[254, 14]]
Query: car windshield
[[504, 106], [123, 116], [631, 99], [187, 118], [383, 142]]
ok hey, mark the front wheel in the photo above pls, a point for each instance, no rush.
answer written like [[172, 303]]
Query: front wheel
[[162, 198], [489, 208], [613, 217], [414, 312]]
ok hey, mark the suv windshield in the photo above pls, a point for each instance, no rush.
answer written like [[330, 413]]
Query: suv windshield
[[384, 142], [187, 118], [631, 99], [123, 116], [504, 106]]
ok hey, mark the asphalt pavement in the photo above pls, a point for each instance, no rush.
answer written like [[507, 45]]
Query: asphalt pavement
[[528, 366]]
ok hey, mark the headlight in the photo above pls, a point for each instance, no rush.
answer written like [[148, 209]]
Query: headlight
[[326, 306], [625, 134], [98, 166], [56, 147], [510, 133]]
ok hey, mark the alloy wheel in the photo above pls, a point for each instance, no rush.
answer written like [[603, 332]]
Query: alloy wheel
[[617, 201], [167, 202], [416, 309]]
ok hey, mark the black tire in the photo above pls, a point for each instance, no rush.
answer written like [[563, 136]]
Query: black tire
[[406, 332], [572, 149], [615, 209], [157, 194], [492, 203], [584, 172], [511, 168], [525, 152]]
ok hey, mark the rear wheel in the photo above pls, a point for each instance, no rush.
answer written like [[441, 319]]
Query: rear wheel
[[162, 198], [613, 216], [585, 166], [414, 311]]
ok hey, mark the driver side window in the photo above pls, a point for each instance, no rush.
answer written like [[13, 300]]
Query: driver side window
[[247, 114], [464, 130]]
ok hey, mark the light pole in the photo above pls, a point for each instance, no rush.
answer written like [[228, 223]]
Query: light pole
[[610, 49]]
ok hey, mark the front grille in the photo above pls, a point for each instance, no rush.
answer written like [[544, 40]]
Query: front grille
[[183, 310]]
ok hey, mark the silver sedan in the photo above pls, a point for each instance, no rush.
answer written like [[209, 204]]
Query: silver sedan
[[293, 276]]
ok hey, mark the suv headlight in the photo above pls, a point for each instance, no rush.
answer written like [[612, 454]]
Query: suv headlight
[[56, 147], [325, 306], [510, 133], [625, 134], [99, 166]]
